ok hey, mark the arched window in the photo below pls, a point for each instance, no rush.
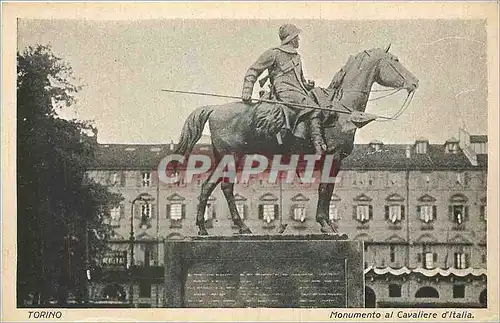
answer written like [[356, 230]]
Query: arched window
[[370, 298], [427, 291]]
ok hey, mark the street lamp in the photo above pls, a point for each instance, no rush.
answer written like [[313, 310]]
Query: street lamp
[[143, 197]]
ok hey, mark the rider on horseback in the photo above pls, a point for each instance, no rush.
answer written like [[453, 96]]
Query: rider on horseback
[[287, 83]]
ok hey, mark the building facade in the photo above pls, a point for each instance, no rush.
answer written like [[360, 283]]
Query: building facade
[[419, 208]]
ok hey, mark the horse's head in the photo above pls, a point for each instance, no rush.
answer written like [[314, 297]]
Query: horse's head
[[390, 71]]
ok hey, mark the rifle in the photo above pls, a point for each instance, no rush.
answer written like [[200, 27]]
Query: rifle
[[345, 109]]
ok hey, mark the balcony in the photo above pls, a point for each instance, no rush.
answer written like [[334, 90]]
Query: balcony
[[363, 226], [427, 226], [395, 226], [458, 227]]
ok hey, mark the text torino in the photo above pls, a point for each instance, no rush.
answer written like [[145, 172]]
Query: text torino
[[44, 314]]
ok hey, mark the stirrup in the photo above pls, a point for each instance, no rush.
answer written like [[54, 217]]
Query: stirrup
[[279, 138], [319, 145]]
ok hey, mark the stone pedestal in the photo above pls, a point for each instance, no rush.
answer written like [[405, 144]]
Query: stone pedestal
[[264, 271]]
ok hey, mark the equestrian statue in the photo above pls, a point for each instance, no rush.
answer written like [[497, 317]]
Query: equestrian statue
[[292, 116]]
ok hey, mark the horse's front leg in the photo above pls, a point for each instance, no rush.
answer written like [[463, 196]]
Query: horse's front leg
[[228, 190], [325, 191]]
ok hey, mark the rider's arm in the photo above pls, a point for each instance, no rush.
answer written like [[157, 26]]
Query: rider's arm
[[265, 61]]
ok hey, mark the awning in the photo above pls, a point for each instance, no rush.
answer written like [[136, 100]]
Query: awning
[[427, 272]]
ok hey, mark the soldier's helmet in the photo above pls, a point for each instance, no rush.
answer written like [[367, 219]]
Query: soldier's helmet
[[287, 32]]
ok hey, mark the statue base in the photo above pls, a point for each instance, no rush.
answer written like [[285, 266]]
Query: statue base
[[275, 271]]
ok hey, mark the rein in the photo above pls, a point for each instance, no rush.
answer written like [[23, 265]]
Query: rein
[[403, 107]]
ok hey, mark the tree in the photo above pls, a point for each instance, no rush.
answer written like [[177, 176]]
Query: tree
[[56, 207]]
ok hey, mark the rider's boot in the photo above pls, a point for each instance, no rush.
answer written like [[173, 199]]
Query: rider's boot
[[317, 136]]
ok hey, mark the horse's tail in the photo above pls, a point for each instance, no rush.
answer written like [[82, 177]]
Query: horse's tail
[[192, 129]]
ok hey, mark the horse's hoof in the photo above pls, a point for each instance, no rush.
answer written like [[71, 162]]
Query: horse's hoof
[[203, 232], [334, 229], [245, 231], [326, 229]]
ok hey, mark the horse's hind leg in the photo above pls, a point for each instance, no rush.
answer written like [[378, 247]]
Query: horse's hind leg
[[228, 190], [206, 190], [325, 191]]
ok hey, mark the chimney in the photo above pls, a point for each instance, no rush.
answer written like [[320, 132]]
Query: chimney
[[408, 151], [376, 145]]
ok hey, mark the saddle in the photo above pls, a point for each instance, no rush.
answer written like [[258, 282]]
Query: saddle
[[271, 119]]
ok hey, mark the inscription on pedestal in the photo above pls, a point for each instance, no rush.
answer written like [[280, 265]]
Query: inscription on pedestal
[[239, 274], [287, 283]]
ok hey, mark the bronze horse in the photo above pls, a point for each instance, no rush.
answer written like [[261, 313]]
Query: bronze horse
[[233, 129]]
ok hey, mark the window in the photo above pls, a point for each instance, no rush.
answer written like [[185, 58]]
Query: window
[[458, 291], [394, 213], [459, 213], [268, 212], [146, 214], [392, 253], [482, 212], [241, 210], [421, 147], [427, 213], [144, 289], [299, 213], [452, 147], [333, 212], [146, 179], [363, 213], [428, 258], [150, 256], [460, 260], [209, 212], [484, 258], [174, 211], [394, 290], [146, 211]]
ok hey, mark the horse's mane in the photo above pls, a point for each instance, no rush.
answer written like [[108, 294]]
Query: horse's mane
[[353, 61]]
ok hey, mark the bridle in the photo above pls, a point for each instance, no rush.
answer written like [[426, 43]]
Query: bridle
[[406, 102]]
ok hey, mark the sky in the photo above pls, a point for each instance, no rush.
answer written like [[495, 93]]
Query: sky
[[124, 64]]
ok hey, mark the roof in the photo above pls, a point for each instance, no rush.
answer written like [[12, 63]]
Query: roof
[[393, 157], [363, 157], [478, 138], [452, 139], [135, 156]]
